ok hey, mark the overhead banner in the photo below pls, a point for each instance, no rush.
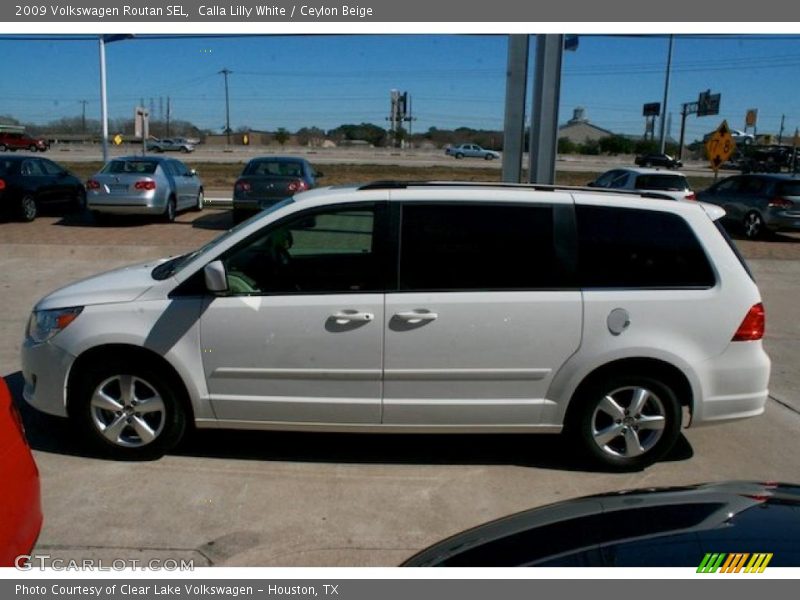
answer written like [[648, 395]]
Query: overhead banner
[[409, 11]]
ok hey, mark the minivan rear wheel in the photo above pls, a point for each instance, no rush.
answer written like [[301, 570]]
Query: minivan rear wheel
[[128, 411], [626, 423]]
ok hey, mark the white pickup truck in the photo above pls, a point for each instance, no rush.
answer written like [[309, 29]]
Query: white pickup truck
[[471, 151]]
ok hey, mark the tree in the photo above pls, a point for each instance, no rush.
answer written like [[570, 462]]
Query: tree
[[566, 146], [616, 144], [310, 136], [281, 136]]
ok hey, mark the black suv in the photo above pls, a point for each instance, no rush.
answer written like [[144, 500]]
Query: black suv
[[658, 160]]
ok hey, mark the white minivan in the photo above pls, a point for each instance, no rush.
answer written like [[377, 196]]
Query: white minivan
[[418, 307]]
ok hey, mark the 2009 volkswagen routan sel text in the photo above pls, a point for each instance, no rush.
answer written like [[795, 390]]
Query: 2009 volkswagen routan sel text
[[418, 307]]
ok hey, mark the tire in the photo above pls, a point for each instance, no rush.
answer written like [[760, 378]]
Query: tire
[[170, 210], [79, 201], [239, 215], [3, 148], [185, 150], [28, 209], [459, 155], [201, 200], [613, 435], [129, 410], [753, 224], [32, 148], [488, 157], [101, 218]]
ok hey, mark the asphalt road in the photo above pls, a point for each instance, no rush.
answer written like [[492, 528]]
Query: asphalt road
[[297, 499], [357, 155]]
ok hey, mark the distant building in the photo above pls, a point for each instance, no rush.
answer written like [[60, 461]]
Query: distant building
[[579, 130]]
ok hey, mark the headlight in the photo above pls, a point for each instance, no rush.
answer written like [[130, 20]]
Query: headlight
[[44, 324]]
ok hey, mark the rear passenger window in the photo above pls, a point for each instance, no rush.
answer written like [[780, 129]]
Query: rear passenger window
[[629, 248], [476, 247]]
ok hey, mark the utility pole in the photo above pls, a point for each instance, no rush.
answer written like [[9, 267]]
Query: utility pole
[[663, 132], [168, 115], [225, 72], [780, 135], [83, 116]]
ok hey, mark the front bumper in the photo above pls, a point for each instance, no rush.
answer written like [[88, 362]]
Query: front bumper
[[45, 368]]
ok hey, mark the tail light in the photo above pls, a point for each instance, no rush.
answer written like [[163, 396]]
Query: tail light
[[243, 186], [752, 327], [690, 196], [779, 202], [145, 184], [298, 185], [92, 184], [2, 184]]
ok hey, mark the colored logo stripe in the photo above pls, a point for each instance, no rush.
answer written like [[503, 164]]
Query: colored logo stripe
[[734, 562]]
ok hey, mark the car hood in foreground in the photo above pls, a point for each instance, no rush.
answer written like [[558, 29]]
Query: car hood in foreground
[[706, 510], [120, 285]]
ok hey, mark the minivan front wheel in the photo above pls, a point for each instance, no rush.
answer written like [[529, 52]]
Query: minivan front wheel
[[130, 412], [627, 423]]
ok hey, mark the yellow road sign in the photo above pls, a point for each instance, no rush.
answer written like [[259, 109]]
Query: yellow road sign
[[720, 146], [118, 139]]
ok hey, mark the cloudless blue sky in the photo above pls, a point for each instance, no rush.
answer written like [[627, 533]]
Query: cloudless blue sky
[[454, 80]]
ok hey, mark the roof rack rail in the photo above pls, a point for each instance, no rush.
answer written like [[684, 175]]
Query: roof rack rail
[[389, 184]]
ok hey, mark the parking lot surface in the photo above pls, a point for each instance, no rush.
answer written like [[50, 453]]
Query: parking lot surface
[[301, 499]]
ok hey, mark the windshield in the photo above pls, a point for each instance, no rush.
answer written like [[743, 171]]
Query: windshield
[[273, 167], [138, 167], [174, 265]]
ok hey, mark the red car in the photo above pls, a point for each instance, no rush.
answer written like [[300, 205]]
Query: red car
[[14, 140], [20, 501]]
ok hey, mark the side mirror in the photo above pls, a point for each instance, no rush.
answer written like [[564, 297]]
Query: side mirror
[[216, 279]]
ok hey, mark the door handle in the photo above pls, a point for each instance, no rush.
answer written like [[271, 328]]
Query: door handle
[[417, 316], [353, 316]]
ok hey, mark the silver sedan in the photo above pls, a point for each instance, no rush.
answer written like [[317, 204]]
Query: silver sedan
[[144, 185]]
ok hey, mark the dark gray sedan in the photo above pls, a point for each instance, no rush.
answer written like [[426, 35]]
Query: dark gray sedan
[[759, 203], [267, 180]]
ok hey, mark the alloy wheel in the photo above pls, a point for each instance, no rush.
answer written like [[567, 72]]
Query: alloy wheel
[[128, 411], [628, 422]]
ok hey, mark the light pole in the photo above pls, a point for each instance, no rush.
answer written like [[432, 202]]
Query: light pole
[[663, 131], [225, 72], [106, 39]]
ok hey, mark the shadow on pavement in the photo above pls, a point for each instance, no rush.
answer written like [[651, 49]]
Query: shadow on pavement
[[55, 435]]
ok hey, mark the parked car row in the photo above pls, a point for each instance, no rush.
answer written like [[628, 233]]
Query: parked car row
[[756, 203], [131, 185]]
